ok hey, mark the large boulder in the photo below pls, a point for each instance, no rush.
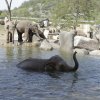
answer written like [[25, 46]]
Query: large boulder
[[95, 53], [86, 43], [81, 33], [2, 22], [45, 45], [81, 51], [97, 37], [55, 43], [35, 40], [66, 40], [96, 32], [46, 33]]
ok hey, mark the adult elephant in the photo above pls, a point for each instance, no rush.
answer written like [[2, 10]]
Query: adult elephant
[[55, 63], [29, 29]]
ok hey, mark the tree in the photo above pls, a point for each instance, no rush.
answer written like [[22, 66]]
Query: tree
[[9, 8], [0, 12], [71, 12]]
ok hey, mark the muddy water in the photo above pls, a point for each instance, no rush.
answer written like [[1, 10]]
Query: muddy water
[[16, 84]]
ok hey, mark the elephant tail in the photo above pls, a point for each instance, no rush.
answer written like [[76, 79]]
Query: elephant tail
[[76, 62]]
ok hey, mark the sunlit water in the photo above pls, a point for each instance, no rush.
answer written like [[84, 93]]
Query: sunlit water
[[17, 84]]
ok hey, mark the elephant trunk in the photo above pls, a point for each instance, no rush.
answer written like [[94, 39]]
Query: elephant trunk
[[76, 62]]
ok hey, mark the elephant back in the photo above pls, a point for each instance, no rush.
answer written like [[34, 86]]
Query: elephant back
[[23, 24]]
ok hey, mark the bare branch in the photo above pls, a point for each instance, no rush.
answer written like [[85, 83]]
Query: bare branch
[[10, 3], [7, 4], [9, 8]]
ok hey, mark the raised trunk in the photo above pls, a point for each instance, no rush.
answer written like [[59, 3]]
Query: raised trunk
[[76, 62], [67, 68]]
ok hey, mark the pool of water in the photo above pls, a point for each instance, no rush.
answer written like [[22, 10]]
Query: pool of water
[[17, 84]]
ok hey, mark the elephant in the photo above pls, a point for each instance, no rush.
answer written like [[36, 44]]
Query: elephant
[[10, 29], [53, 64], [29, 29]]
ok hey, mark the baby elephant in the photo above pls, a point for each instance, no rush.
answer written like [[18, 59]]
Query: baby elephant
[[53, 64]]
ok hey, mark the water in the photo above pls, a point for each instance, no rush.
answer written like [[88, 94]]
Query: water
[[17, 84]]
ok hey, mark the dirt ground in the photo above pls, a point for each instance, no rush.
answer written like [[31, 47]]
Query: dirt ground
[[2, 34]]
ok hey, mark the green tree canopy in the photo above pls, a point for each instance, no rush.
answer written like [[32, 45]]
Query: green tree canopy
[[71, 12]]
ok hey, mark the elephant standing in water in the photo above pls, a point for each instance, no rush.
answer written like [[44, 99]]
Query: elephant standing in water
[[55, 63], [29, 29]]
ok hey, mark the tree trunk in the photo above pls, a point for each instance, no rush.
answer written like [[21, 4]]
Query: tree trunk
[[9, 8]]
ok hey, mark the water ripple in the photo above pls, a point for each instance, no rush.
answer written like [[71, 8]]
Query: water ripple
[[16, 84]]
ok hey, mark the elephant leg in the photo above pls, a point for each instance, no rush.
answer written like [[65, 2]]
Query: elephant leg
[[10, 37], [7, 37], [30, 39], [19, 36], [26, 34], [26, 37], [30, 36], [13, 37]]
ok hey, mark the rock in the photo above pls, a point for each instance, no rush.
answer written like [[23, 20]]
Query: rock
[[97, 37], [81, 33], [2, 22], [56, 41], [46, 33], [55, 45], [95, 52], [35, 39], [45, 45], [86, 43], [82, 51], [86, 29], [66, 40], [55, 37]]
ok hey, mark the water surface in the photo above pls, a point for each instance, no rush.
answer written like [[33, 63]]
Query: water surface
[[17, 84]]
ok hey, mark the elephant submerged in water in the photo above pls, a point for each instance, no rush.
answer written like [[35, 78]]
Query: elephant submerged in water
[[53, 64]]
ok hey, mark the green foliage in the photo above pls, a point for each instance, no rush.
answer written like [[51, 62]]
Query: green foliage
[[3, 14], [74, 11], [64, 12], [0, 12], [20, 12]]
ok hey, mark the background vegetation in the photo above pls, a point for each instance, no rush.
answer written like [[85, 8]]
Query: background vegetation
[[63, 12]]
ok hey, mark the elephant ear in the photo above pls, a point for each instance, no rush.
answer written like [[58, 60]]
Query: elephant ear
[[15, 23]]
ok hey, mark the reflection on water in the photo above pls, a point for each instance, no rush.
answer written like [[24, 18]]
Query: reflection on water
[[16, 84]]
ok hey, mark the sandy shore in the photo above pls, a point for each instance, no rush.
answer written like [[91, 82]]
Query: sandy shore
[[2, 35]]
